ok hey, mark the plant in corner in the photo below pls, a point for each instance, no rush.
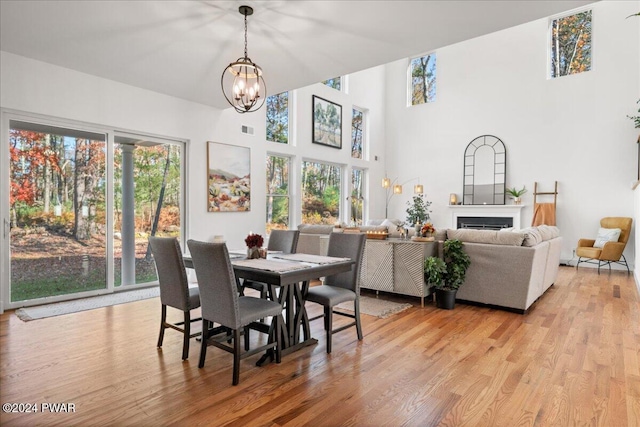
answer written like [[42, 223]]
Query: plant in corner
[[447, 275]]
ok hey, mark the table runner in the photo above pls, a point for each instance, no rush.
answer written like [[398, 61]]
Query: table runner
[[314, 259], [269, 264]]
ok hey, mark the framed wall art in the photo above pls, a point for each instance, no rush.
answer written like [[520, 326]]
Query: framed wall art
[[327, 122], [228, 178]]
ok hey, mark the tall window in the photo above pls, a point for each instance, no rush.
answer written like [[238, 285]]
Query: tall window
[[335, 83], [357, 133], [278, 118], [571, 44], [320, 193], [277, 193], [357, 196], [423, 79]]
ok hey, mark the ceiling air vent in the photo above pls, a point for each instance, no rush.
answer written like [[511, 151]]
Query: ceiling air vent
[[247, 130]]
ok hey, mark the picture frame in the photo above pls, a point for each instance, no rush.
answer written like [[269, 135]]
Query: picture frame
[[327, 122], [228, 178]]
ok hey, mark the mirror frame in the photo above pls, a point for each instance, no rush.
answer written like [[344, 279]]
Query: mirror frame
[[499, 170]]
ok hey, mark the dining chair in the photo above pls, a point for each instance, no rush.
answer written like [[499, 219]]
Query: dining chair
[[285, 241], [174, 288], [341, 287], [221, 304]]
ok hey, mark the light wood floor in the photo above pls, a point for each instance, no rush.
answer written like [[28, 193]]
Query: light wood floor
[[573, 360]]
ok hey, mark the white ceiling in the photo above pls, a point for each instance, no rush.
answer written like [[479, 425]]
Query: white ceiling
[[181, 47]]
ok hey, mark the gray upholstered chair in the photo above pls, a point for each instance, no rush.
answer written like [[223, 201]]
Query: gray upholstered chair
[[222, 304], [174, 288], [341, 287], [279, 240]]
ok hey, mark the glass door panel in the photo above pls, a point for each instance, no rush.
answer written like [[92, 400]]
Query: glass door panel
[[57, 211], [147, 202]]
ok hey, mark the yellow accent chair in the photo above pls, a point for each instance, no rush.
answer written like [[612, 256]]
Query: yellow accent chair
[[610, 251]]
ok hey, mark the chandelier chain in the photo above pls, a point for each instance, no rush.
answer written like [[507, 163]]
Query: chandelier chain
[[245, 35]]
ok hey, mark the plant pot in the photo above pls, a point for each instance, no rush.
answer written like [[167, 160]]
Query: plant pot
[[445, 298], [517, 200]]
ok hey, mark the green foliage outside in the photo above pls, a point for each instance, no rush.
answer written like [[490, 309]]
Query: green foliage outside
[[335, 83], [320, 193], [423, 79], [278, 118]]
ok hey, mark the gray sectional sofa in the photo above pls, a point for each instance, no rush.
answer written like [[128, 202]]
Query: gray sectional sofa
[[509, 270]]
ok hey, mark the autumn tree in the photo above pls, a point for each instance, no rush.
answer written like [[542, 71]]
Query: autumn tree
[[571, 44]]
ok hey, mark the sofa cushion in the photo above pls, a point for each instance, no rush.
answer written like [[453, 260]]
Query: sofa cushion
[[366, 228], [315, 228], [532, 236], [548, 232], [492, 237], [606, 235]]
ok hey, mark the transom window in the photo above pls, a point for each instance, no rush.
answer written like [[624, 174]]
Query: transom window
[[357, 133], [571, 44], [422, 79], [335, 82], [278, 118]]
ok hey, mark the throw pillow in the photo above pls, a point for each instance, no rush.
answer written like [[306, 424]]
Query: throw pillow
[[606, 235]]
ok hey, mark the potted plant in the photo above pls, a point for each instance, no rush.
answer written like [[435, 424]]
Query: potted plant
[[448, 274], [515, 194], [418, 211]]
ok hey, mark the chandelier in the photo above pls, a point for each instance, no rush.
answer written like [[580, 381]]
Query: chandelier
[[242, 82]]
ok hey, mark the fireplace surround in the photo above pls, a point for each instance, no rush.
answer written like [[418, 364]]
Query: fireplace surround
[[499, 214]]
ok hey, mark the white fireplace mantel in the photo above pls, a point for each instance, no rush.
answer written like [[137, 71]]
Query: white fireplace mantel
[[502, 211]]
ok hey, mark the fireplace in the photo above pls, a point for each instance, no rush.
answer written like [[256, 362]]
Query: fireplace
[[484, 222], [491, 217]]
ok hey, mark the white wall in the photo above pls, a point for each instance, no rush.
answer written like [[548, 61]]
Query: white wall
[[44, 89], [572, 129]]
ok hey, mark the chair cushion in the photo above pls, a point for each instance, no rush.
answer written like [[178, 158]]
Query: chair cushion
[[606, 235], [330, 295], [252, 309], [587, 252]]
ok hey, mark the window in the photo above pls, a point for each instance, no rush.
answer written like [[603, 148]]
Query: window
[[320, 193], [423, 79], [335, 83], [278, 118], [357, 133], [277, 193], [357, 196], [571, 44]]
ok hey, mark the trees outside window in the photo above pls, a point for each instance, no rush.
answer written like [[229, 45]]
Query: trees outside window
[[357, 133], [357, 196], [277, 193], [423, 79], [335, 83], [320, 193], [278, 118], [571, 44]]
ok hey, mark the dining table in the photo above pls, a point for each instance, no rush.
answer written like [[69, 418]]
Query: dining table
[[288, 277]]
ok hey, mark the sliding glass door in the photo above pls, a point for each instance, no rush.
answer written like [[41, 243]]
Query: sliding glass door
[[79, 208], [57, 211]]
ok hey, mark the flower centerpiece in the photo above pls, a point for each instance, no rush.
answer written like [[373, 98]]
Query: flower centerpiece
[[427, 230], [254, 244]]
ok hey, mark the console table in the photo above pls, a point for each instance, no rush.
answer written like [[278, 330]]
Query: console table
[[396, 265]]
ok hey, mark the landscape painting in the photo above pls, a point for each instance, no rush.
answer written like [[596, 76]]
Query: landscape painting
[[228, 178], [327, 122]]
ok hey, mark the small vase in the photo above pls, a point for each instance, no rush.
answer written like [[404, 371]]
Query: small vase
[[253, 252], [517, 200]]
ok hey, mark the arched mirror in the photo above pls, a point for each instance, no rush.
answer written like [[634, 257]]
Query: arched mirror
[[485, 170]]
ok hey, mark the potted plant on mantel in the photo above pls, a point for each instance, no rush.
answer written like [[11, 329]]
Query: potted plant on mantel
[[515, 194], [447, 275]]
